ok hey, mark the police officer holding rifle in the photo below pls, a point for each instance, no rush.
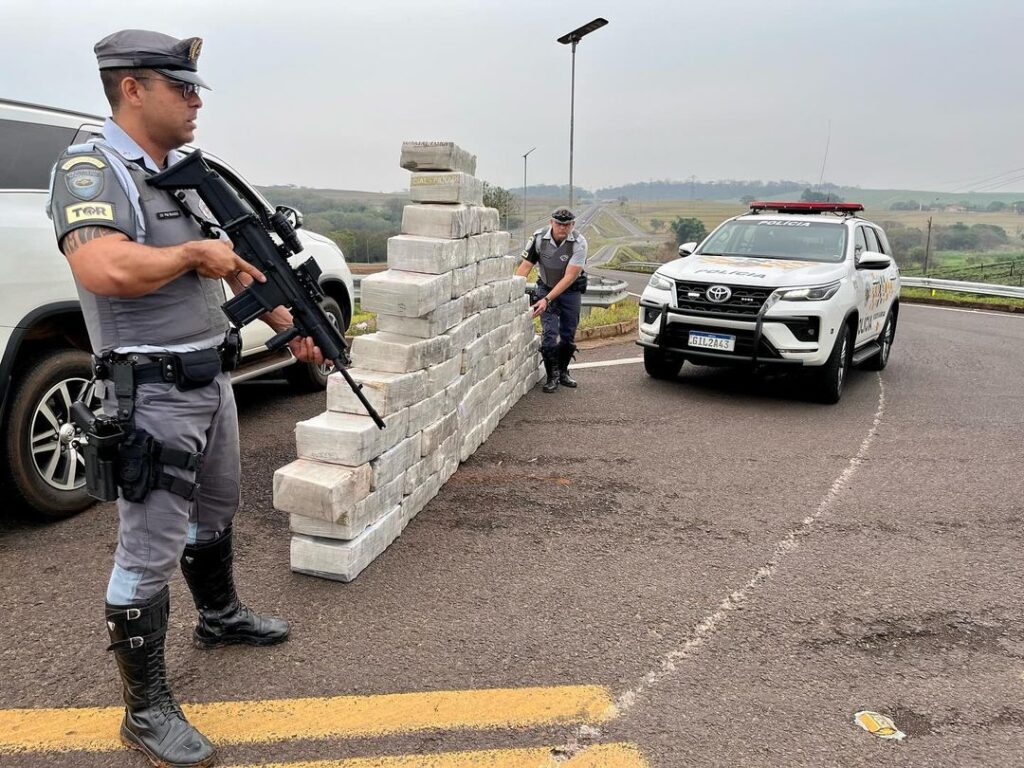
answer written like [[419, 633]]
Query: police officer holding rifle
[[149, 278]]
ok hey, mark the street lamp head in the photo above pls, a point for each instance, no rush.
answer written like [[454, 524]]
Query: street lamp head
[[586, 29]]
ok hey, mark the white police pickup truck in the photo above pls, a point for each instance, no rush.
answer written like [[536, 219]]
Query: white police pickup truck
[[790, 284], [44, 359]]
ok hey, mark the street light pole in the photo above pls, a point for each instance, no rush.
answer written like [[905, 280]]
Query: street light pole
[[524, 194], [574, 37]]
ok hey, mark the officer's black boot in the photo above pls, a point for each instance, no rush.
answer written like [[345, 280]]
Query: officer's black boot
[[550, 368], [223, 618], [153, 721], [565, 353]]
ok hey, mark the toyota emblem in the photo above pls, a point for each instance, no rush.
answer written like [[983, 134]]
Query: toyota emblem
[[719, 293]]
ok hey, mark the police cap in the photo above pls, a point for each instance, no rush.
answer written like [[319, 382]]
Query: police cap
[[142, 49], [563, 215]]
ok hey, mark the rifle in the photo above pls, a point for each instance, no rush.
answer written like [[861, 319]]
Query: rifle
[[296, 288]]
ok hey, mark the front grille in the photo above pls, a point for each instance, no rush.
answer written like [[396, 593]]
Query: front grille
[[745, 301], [677, 335]]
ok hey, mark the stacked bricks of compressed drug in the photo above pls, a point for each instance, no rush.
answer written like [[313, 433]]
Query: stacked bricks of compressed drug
[[453, 352]]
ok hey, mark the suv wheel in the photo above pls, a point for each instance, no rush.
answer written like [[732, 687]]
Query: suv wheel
[[661, 365], [309, 377], [879, 361], [47, 467], [831, 378]]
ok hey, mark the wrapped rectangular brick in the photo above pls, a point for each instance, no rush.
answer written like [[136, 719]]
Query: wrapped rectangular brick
[[408, 294], [387, 392], [503, 245], [399, 354], [463, 280], [474, 352], [476, 300], [343, 560], [414, 503], [464, 332], [394, 462], [438, 220], [433, 255], [426, 413], [415, 476], [456, 392], [446, 187], [489, 270], [325, 491], [436, 156], [441, 375], [479, 247], [438, 432], [345, 438], [431, 324], [355, 520], [488, 219]]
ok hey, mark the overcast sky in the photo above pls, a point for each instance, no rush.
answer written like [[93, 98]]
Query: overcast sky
[[921, 94]]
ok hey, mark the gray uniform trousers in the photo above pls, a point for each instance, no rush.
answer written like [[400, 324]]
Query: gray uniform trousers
[[153, 533]]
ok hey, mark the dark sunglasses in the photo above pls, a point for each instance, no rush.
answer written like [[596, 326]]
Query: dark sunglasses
[[187, 89]]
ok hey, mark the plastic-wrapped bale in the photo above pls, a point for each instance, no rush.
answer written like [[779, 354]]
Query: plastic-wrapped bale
[[407, 294], [446, 187], [436, 156]]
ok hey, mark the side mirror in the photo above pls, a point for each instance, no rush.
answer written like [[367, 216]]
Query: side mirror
[[686, 249], [873, 260], [293, 215]]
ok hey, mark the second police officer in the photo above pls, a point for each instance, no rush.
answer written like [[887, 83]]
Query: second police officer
[[560, 255], [149, 280]]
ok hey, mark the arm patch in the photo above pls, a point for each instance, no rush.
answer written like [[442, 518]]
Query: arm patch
[[86, 192]]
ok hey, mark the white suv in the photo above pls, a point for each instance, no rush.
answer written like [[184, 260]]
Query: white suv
[[44, 349], [803, 285]]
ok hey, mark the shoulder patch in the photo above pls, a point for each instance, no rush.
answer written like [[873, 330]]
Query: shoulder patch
[[92, 160], [84, 181], [78, 212]]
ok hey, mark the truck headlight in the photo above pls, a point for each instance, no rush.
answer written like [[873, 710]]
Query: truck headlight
[[660, 283], [813, 293]]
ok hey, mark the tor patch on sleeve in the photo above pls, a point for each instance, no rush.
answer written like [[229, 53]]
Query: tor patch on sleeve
[[79, 212]]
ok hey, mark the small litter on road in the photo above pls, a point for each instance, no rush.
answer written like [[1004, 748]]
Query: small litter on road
[[878, 725]]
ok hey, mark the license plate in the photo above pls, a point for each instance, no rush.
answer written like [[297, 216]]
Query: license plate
[[717, 341]]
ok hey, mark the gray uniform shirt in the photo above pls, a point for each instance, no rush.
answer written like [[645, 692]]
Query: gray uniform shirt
[[552, 259], [103, 183]]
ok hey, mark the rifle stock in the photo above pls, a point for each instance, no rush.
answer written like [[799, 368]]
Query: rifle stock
[[297, 288]]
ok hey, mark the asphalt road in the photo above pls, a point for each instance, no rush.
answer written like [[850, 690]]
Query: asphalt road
[[742, 569]]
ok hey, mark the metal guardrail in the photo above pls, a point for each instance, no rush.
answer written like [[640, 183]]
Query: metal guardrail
[[957, 286], [961, 286]]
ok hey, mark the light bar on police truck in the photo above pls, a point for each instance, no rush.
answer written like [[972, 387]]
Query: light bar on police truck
[[802, 207]]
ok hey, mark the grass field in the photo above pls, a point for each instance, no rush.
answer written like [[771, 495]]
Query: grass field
[[714, 212]]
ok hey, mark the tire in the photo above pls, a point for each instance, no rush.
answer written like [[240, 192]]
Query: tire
[[309, 377], [885, 339], [661, 365], [830, 380], [47, 469]]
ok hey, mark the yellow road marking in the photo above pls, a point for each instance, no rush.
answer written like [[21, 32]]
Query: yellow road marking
[[95, 729], [599, 756]]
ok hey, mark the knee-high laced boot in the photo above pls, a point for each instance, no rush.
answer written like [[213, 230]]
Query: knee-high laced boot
[[223, 618], [565, 352], [153, 722], [550, 368]]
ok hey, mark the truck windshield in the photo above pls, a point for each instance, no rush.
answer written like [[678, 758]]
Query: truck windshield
[[779, 239]]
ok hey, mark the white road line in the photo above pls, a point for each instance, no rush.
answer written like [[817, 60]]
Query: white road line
[[606, 363], [971, 311], [706, 628]]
